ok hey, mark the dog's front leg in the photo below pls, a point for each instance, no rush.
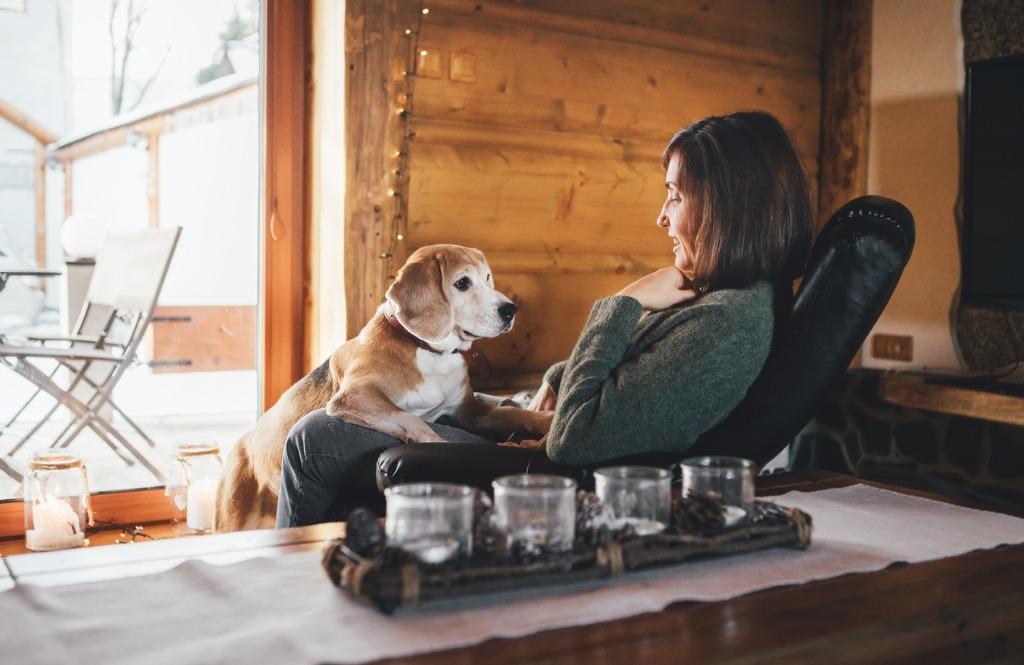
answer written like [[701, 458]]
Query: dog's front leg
[[368, 407], [480, 416]]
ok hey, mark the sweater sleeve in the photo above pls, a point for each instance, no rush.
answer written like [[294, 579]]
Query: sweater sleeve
[[660, 399], [553, 377]]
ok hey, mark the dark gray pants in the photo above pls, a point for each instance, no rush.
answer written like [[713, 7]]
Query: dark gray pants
[[330, 467]]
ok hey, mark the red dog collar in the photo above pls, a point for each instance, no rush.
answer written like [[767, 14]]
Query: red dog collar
[[475, 358]]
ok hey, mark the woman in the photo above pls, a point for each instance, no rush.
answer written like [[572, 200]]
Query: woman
[[660, 362], [737, 210]]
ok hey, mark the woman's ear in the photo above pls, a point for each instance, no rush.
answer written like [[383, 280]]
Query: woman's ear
[[418, 293]]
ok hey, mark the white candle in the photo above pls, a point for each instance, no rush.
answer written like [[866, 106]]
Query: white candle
[[55, 525], [201, 497], [734, 515]]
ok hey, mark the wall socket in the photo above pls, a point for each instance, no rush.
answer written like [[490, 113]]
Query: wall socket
[[893, 347]]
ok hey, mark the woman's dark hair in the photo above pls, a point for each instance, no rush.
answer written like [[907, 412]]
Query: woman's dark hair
[[748, 212]]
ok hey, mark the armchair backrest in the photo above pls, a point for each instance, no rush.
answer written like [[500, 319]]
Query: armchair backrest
[[853, 269], [130, 272]]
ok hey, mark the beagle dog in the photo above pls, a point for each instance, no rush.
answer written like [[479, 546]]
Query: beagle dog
[[405, 368]]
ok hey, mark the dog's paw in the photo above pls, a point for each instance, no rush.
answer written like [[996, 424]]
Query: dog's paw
[[423, 435]]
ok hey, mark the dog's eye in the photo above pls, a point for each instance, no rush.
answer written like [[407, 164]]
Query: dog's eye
[[463, 284], [488, 278]]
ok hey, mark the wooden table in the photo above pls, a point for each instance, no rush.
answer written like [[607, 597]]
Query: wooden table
[[966, 609]]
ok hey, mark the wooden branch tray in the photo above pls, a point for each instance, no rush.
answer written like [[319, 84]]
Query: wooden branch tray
[[390, 582]]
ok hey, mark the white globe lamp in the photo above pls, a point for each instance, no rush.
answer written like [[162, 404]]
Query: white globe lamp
[[82, 236]]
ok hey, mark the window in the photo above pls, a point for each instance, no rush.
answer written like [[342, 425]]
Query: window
[[123, 117]]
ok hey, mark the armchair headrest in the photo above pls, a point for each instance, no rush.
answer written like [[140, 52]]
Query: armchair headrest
[[852, 271]]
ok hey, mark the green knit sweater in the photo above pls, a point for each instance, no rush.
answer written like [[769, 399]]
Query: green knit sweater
[[635, 385]]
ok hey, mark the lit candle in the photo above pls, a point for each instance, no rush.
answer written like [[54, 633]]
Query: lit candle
[[55, 525], [201, 500]]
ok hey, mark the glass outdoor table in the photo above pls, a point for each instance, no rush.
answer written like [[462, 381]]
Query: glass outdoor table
[[13, 267]]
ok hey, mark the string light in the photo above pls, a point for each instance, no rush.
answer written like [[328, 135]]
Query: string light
[[402, 153]]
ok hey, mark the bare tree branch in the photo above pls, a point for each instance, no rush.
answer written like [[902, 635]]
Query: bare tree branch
[[145, 87], [122, 45], [116, 87]]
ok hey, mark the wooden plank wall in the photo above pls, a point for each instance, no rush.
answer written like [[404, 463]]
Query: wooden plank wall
[[538, 129]]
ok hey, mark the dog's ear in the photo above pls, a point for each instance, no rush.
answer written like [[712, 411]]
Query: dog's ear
[[418, 292]]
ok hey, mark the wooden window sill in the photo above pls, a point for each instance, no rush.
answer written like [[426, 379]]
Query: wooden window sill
[[106, 535], [145, 506]]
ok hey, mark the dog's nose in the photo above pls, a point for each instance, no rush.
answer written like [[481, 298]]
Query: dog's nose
[[507, 312]]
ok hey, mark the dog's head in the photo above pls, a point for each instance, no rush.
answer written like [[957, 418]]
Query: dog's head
[[445, 295]]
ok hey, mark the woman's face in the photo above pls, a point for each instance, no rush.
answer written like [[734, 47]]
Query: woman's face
[[671, 217]]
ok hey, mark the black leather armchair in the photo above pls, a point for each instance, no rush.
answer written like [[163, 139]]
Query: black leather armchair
[[853, 269]]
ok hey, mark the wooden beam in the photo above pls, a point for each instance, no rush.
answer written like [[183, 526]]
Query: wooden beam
[[67, 188], [377, 50], [285, 219], [39, 187], [845, 105], [325, 313], [103, 141], [915, 392], [575, 20], [153, 178], [446, 132], [22, 121], [537, 263], [143, 123]]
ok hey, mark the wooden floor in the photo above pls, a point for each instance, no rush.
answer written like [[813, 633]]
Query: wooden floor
[[965, 609]]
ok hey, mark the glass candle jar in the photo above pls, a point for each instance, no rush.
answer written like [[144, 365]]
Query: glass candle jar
[[56, 491], [731, 478], [536, 511], [636, 496], [434, 521], [192, 485]]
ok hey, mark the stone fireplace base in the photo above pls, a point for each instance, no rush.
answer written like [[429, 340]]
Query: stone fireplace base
[[856, 432]]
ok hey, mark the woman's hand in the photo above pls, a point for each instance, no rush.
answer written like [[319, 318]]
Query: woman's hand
[[540, 444], [660, 289], [544, 400], [540, 422]]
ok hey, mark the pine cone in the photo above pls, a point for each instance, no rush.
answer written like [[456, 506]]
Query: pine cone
[[488, 539], [594, 523], [769, 514], [698, 513], [363, 533]]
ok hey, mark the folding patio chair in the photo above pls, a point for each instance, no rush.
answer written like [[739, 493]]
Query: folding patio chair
[[129, 274]]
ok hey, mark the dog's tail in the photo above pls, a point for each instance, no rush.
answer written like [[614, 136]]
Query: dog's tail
[[236, 492]]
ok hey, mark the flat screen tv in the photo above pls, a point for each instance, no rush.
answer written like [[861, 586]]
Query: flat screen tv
[[992, 260]]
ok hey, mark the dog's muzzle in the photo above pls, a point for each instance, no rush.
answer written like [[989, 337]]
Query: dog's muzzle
[[507, 312]]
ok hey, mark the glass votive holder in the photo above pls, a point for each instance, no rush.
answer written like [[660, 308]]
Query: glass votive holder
[[536, 511], [636, 496], [56, 491], [731, 478], [192, 485], [433, 521]]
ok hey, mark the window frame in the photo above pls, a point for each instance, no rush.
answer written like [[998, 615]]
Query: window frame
[[284, 223]]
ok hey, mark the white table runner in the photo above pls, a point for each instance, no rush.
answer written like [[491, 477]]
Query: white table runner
[[285, 609]]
